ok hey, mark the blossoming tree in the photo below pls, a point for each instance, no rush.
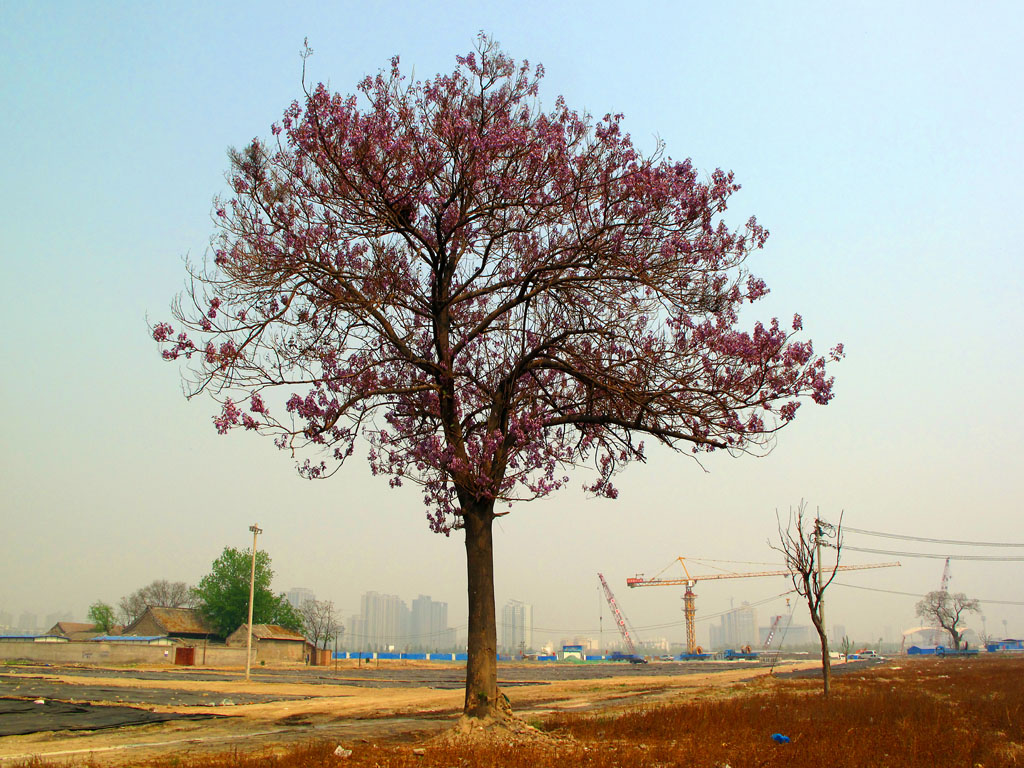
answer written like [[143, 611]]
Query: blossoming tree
[[488, 293]]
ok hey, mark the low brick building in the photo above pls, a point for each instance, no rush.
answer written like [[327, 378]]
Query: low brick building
[[271, 642]]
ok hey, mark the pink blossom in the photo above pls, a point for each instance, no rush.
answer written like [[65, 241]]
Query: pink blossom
[[162, 331], [489, 289], [228, 417]]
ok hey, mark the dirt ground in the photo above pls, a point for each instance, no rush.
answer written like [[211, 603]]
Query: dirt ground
[[402, 700]]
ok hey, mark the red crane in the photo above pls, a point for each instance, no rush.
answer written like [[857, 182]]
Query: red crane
[[938, 633], [620, 620], [690, 597], [945, 577]]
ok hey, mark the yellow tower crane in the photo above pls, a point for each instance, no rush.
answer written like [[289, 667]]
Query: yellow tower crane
[[690, 597]]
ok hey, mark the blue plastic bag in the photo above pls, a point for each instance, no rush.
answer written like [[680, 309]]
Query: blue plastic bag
[[778, 738]]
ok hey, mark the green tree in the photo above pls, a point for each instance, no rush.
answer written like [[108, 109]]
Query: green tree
[[222, 596], [286, 615], [102, 616]]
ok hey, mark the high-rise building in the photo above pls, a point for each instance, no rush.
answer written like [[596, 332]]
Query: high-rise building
[[385, 623], [386, 620], [738, 628], [443, 635], [516, 627], [419, 622], [299, 595], [354, 638], [428, 626]]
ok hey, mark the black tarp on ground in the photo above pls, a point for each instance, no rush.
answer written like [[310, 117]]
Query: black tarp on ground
[[14, 686], [19, 717], [839, 668]]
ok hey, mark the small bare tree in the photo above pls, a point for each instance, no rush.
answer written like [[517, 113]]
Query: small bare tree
[[945, 609], [800, 543], [845, 646], [319, 621], [163, 593]]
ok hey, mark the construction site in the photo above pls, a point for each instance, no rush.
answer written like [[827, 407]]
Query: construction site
[[107, 713], [183, 698]]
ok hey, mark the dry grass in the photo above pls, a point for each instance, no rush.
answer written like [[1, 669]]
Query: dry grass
[[910, 714]]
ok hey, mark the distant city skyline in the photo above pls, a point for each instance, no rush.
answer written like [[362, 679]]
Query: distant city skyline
[[545, 633], [386, 623], [737, 628]]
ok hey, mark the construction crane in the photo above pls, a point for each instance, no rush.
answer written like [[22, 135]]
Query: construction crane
[[774, 627], [690, 597], [620, 620]]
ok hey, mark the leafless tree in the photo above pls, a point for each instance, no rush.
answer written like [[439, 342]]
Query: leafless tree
[[945, 609], [800, 543], [163, 593], [320, 622]]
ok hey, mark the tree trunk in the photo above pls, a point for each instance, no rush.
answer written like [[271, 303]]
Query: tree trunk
[[826, 667], [956, 639], [826, 661], [483, 698]]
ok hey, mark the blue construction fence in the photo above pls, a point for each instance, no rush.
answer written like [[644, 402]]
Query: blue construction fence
[[395, 656], [935, 650], [388, 655]]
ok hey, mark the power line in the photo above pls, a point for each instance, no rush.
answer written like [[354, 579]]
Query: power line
[[990, 558], [848, 529], [915, 594]]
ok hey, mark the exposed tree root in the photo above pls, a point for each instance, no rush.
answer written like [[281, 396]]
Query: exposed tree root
[[500, 726]]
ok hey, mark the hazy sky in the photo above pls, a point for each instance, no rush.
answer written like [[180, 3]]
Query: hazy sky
[[881, 143]]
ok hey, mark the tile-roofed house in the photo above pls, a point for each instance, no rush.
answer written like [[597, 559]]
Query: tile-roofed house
[[271, 642], [78, 630], [65, 628], [180, 623]]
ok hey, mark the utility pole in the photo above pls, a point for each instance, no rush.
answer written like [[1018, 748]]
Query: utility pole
[[256, 531], [821, 594]]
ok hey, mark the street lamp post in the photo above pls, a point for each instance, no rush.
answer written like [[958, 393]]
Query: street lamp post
[[256, 531]]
